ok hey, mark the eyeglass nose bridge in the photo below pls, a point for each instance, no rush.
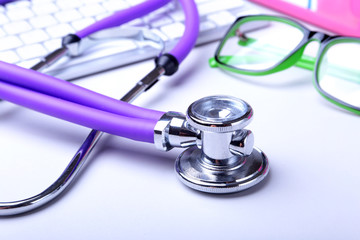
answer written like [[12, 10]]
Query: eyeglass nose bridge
[[307, 62], [318, 36]]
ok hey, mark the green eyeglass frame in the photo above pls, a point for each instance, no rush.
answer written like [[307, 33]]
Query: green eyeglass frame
[[294, 58]]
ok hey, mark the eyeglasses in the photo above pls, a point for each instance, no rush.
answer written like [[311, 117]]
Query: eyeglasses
[[261, 45]]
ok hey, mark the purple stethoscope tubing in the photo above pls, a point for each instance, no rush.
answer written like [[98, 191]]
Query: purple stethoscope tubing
[[189, 37], [134, 128], [123, 16], [5, 1], [181, 50], [54, 87], [67, 101]]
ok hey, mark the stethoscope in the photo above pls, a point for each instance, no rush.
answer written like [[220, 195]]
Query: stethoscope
[[220, 157]]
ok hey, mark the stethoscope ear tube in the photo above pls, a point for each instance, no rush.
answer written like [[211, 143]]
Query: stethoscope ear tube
[[189, 37], [51, 86], [123, 16], [133, 128]]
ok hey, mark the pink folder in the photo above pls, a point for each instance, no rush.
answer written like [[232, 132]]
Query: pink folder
[[338, 16]]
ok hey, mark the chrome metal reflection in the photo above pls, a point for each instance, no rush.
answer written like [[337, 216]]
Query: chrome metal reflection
[[222, 157], [140, 35]]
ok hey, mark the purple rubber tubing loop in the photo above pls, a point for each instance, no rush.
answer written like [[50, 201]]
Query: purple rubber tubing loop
[[188, 39], [52, 86], [133, 128], [123, 16], [5, 1]]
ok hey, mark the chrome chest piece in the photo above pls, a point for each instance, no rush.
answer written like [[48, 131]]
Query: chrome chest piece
[[221, 157]]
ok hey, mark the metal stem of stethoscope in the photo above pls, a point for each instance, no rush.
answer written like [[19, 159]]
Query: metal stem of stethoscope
[[74, 46], [80, 157], [50, 59]]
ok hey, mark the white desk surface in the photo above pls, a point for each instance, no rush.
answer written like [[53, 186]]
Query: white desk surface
[[129, 189]]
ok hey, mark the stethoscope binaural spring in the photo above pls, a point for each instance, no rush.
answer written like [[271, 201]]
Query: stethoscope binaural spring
[[67, 101]]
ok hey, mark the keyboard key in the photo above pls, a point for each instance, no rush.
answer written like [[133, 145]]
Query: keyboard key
[[34, 36], [178, 16], [53, 44], [29, 63], [159, 21], [91, 10], [206, 26], [16, 27], [241, 12], [59, 30], [136, 23], [81, 24], [94, 1], [216, 6], [68, 4], [200, 1], [17, 4], [159, 12], [222, 18], [9, 43], [19, 14], [43, 21], [174, 30], [3, 19], [45, 8], [135, 2], [115, 5], [9, 57], [31, 51], [103, 15], [36, 2], [68, 16], [2, 33]]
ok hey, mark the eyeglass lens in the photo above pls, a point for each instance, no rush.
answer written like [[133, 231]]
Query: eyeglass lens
[[339, 71], [259, 44]]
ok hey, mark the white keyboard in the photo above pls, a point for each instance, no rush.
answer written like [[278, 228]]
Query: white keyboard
[[32, 29]]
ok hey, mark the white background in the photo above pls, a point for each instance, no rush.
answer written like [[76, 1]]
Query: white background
[[129, 189]]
